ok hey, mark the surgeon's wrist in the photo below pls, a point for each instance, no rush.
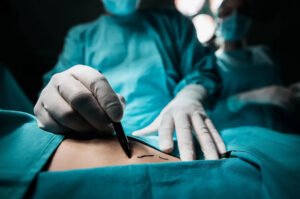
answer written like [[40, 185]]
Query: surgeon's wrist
[[192, 92]]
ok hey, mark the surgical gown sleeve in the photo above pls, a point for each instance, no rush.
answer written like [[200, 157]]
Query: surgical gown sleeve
[[196, 63], [72, 54]]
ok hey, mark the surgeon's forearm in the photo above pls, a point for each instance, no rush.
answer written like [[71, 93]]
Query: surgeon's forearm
[[258, 96]]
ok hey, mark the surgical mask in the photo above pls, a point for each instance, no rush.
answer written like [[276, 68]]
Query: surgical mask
[[121, 7], [234, 27]]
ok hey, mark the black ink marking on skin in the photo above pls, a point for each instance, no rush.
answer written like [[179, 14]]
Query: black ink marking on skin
[[163, 158], [143, 156]]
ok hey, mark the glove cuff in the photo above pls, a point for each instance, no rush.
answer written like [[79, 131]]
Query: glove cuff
[[192, 92]]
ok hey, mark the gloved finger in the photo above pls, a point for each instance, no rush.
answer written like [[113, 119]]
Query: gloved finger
[[45, 121], [82, 101], [204, 138], [166, 130], [150, 129], [183, 128], [62, 112], [98, 85], [122, 100], [216, 136]]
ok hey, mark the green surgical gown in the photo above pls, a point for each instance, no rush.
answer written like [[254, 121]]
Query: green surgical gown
[[262, 164], [146, 57]]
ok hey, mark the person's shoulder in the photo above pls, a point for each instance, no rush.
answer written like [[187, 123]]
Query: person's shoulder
[[174, 20], [169, 14]]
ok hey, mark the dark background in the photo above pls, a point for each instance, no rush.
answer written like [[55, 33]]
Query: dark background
[[32, 34]]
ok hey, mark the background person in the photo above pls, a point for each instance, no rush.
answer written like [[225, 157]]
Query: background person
[[150, 57]]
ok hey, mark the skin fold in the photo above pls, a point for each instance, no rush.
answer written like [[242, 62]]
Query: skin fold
[[81, 154]]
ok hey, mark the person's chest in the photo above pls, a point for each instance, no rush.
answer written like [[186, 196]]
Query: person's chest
[[132, 55], [245, 71]]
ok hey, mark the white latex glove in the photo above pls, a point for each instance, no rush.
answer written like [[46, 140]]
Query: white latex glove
[[186, 115], [79, 99], [279, 96]]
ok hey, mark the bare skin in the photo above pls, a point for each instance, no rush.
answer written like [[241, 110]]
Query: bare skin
[[80, 154]]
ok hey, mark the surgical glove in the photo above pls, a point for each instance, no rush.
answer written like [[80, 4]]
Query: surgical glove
[[79, 99], [186, 115], [279, 96], [236, 103]]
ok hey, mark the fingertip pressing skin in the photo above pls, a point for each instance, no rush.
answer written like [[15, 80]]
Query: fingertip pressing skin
[[204, 138], [216, 136], [184, 137], [167, 147], [166, 142], [187, 157], [165, 132]]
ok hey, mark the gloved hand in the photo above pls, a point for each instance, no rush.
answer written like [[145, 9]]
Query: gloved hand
[[279, 96], [185, 114], [79, 99]]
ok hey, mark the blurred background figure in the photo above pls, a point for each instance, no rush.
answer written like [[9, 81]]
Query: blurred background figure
[[252, 92], [32, 32]]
